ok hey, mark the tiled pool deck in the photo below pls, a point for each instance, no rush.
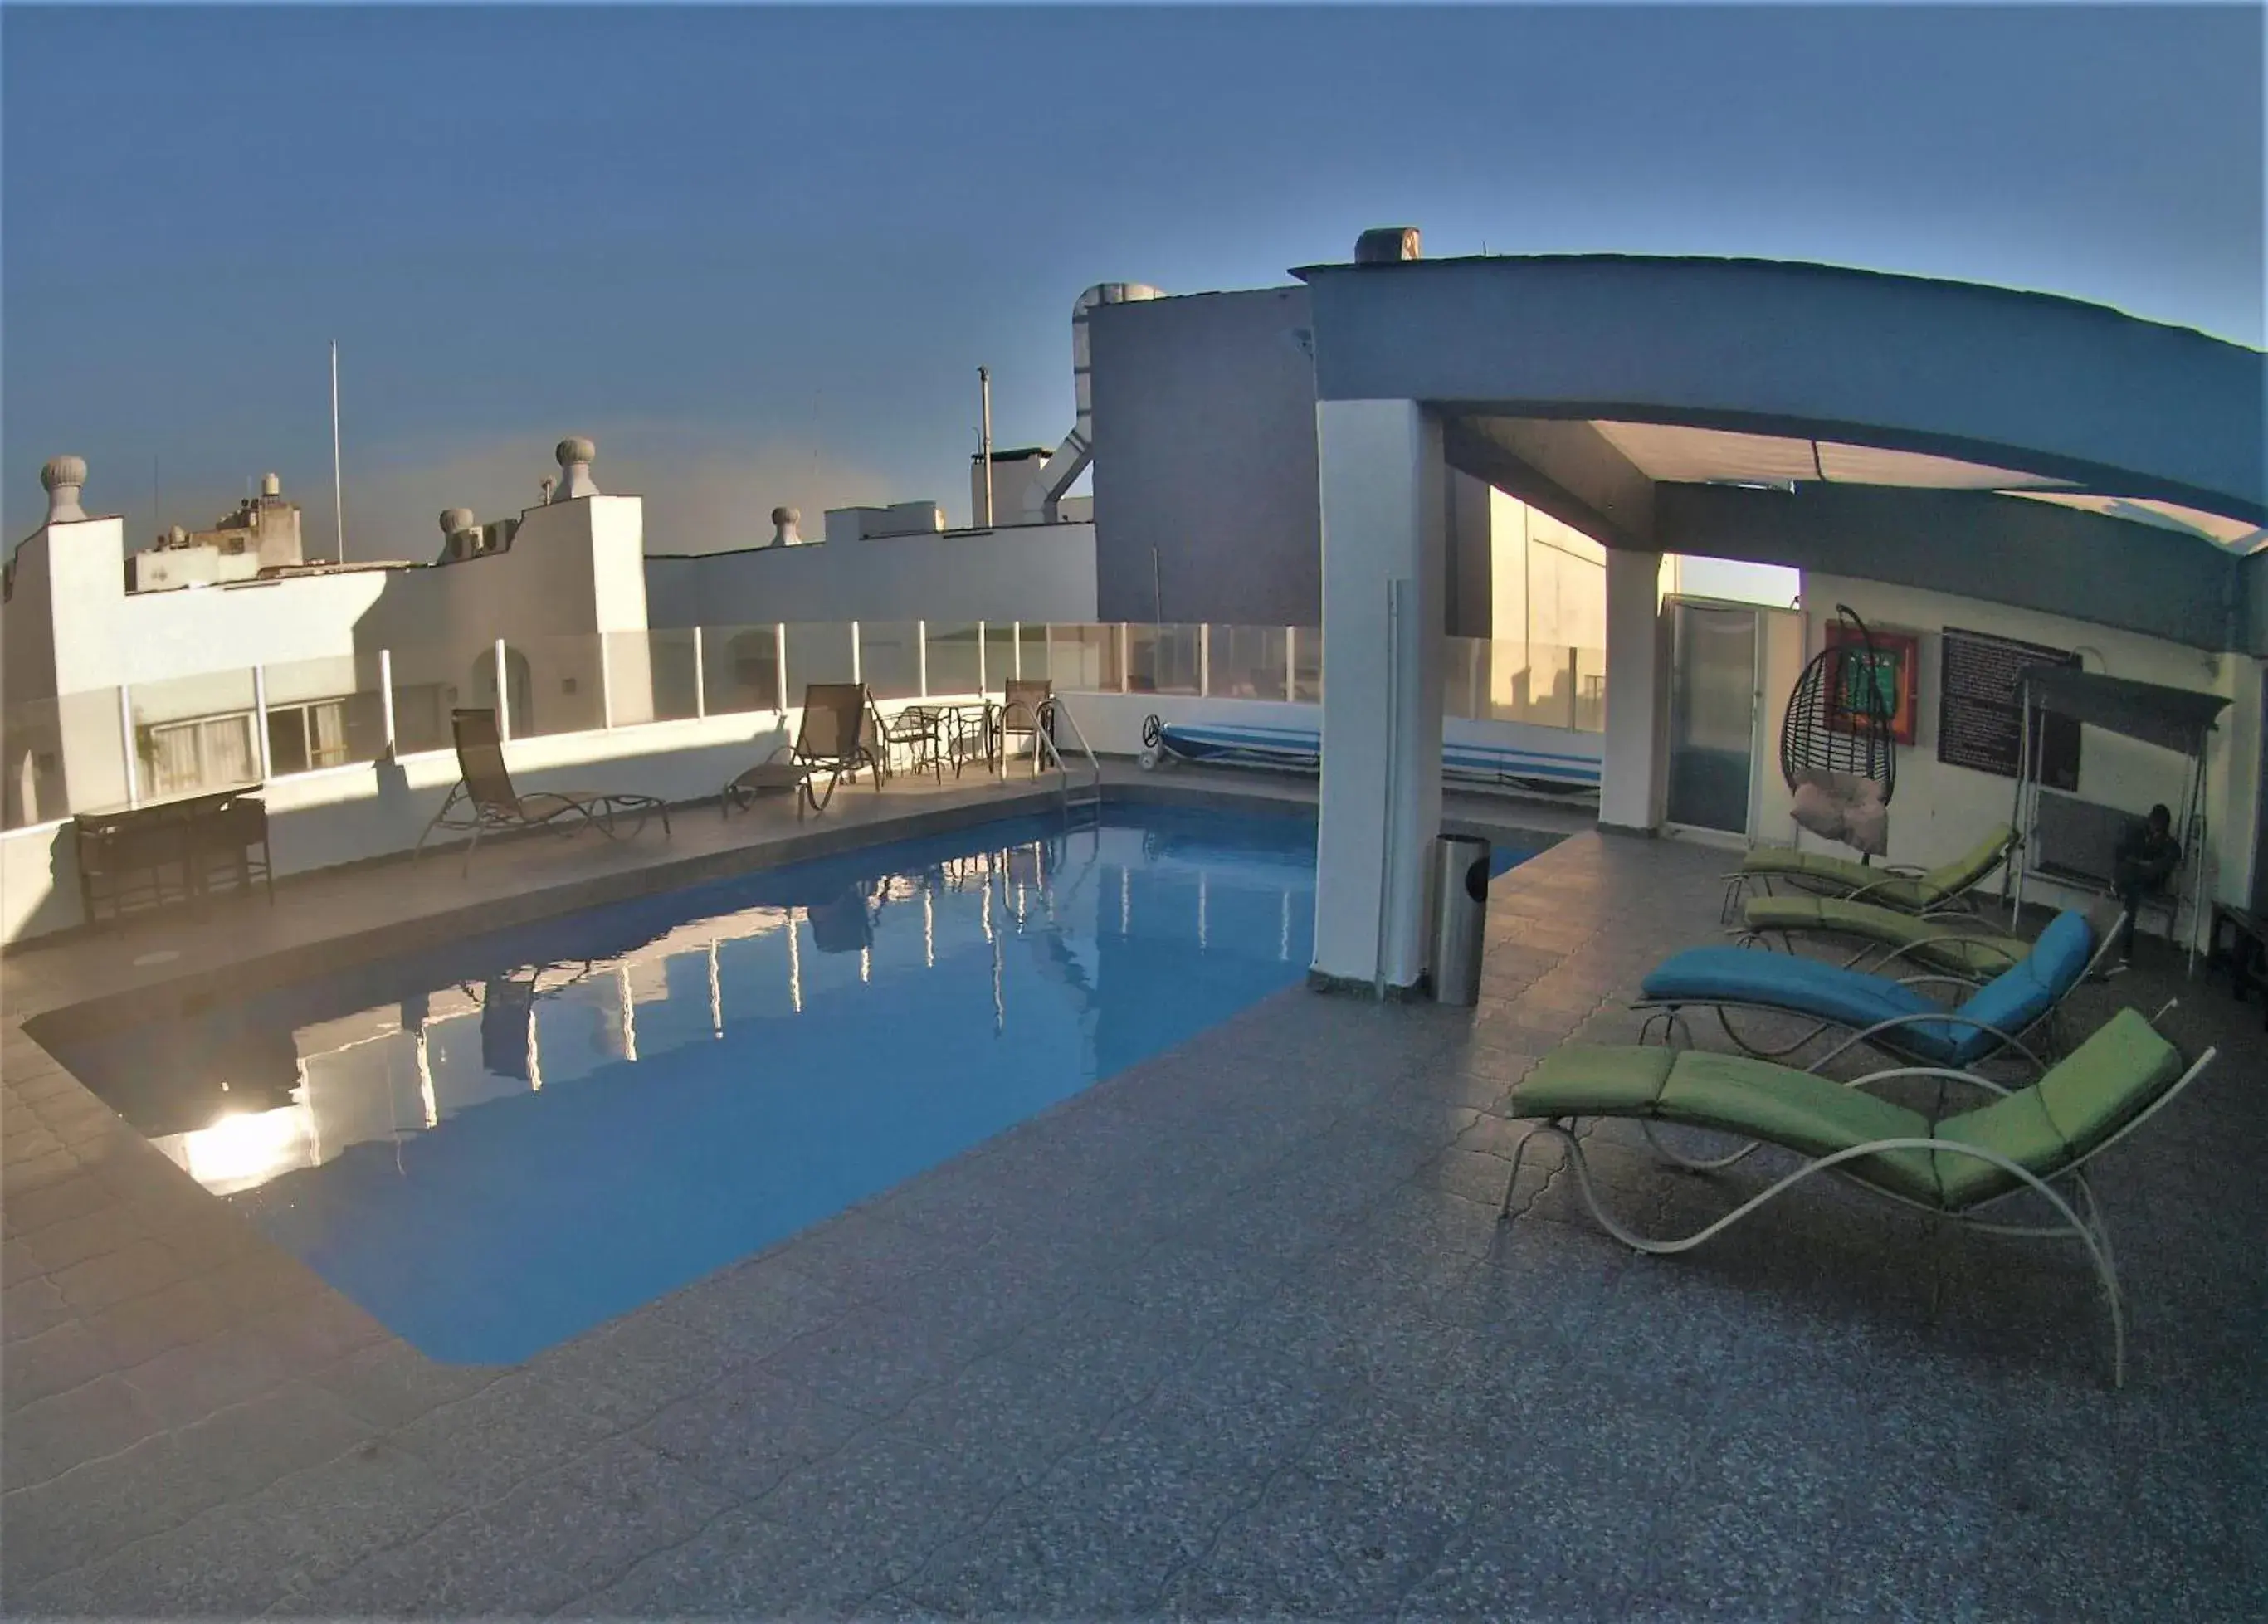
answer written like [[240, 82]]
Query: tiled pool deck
[[1235, 1332]]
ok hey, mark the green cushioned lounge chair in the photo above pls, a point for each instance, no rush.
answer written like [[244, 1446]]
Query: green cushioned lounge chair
[[1972, 954], [2033, 1140], [1892, 884]]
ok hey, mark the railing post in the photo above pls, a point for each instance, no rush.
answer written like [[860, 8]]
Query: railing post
[[503, 690], [1016, 646], [259, 721], [921, 657], [1291, 666], [386, 698], [779, 665], [1204, 659], [1125, 671], [605, 683], [857, 673], [981, 687], [700, 680], [126, 735], [1574, 682]]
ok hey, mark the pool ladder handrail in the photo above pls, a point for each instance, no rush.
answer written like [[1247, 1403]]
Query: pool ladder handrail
[[1080, 796]]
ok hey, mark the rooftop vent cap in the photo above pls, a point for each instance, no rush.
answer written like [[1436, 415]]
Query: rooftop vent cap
[[575, 454], [784, 527], [63, 478], [1387, 245], [456, 521]]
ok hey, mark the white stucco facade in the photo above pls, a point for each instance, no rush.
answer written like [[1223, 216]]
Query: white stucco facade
[[1020, 572]]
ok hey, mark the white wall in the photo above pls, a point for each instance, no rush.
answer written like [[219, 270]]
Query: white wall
[[1026, 572], [1939, 811], [349, 814]]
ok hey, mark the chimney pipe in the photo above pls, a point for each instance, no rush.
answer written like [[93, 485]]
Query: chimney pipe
[[984, 440]]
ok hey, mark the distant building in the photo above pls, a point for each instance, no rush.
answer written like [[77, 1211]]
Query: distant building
[[262, 535]]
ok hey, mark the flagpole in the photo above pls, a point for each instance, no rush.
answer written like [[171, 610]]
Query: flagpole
[[338, 491]]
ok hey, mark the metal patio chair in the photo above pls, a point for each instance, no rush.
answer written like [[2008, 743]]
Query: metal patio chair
[[837, 738], [484, 801]]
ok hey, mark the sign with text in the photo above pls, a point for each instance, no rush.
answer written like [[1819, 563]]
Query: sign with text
[[1980, 720]]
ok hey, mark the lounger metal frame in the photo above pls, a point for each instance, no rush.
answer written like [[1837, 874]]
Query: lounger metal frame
[[1873, 953], [1958, 903], [485, 801], [1667, 1017], [2079, 1214]]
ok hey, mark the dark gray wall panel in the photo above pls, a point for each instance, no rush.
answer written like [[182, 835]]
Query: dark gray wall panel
[[1204, 431]]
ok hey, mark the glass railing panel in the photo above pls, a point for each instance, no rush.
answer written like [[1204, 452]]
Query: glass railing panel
[[889, 658], [560, 685], [999, 655], [194, 735], [1307, 665], [817, 652], [1082, 659], [62, 756], [1034, 654], [429, 681], [740, 668], [674, 672], [1161, 659], [1590, 690], [324, 713], [1247, 662], [954, 653]]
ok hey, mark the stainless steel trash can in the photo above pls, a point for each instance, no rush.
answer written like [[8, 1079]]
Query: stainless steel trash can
[[1460, 878]]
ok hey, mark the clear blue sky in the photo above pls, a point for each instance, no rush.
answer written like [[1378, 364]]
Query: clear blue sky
[[760, 254]]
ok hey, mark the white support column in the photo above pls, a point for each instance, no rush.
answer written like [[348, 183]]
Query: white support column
[[1204, 659], [260, 751], [504, 691], [700, 679], [1291, 662], [386, 699], [1382, 478], [1630, 775], [855, 675], [779, 663], [1016, 646], [982, 683], [921, 657]]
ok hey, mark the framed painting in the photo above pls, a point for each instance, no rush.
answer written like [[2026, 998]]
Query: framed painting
[[1897, 657]]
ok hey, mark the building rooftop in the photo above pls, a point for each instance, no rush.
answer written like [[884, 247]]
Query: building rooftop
[[1236, 1332]]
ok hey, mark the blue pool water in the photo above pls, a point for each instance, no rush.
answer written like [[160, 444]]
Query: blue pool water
[[499, 1144]]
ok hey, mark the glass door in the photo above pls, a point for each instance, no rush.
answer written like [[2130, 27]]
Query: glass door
[[1713, 715]]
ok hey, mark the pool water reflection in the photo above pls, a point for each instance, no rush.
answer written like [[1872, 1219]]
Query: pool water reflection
[[497, 1145]]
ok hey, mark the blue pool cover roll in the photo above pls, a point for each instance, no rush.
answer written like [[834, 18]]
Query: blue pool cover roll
[[1301, 750]]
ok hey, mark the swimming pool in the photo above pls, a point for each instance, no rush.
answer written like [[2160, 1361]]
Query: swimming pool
[[501, 1142]]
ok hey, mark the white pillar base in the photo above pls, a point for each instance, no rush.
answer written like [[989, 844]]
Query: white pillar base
[[1380, 799], [1631, 778]]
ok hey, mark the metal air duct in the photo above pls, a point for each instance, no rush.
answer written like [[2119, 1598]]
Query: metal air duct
[[1043, 501]]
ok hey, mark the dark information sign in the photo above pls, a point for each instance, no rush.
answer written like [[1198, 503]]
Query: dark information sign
[[1980, 719]]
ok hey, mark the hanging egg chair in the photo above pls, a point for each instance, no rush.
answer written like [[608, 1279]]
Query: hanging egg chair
[[1837, 751]]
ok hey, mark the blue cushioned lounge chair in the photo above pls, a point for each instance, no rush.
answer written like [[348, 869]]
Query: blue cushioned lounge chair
[[1891, 1014]]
